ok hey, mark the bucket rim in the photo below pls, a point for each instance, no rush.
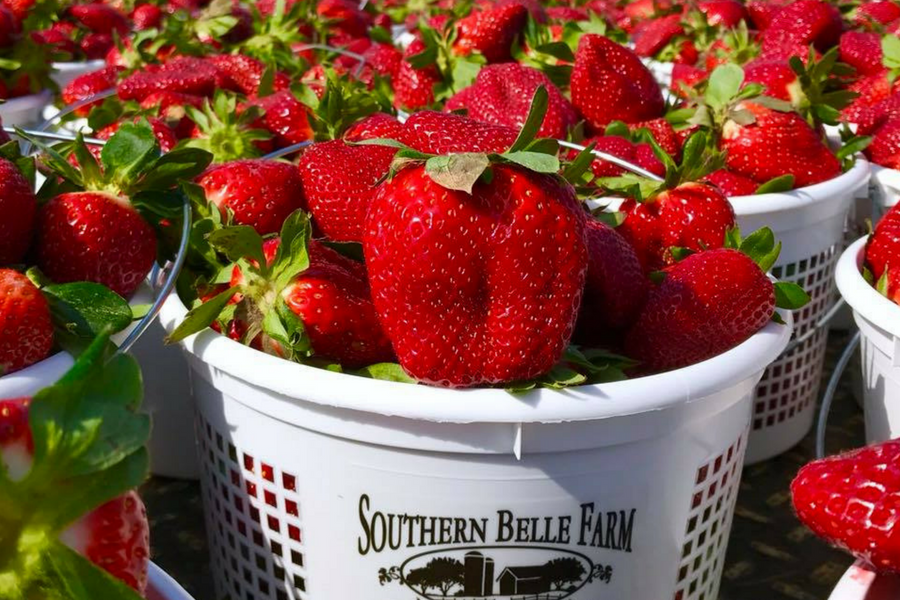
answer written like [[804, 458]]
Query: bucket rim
[[862, 297], [303, 383], [861, 582], [162, 586]]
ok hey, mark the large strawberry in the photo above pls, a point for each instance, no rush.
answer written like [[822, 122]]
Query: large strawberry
[[502, 93], [708, 303], [875, 14], [491, 31], [26, 331], [100, 18], [285, 117], [95, 233], [244, 73], [258, 193], [375, 126], [883, 247], [414, 85], [724, 13], [18, 207], [799, 24], [89, 84], [441, 133], [69, 460], [885, 147], [303, 301], [629, 91], [339, 181], [185, 75], [862, 51], [851, 501]]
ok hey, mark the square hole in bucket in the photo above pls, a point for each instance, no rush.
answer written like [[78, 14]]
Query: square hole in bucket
[[253, 512], [708, 524]]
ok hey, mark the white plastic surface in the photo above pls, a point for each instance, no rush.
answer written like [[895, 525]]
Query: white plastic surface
[[862, 583], [810, 224], [301, 467], [25, 110], [64, 72], [879, 321], [885, 187], [163, 587]]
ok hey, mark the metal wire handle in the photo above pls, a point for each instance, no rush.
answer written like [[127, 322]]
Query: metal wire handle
[[287, 150], [828, 397], [611, 158]]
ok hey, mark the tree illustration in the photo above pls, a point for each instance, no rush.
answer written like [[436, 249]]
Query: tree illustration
[[444, 574], [420, 578], [561, 572]]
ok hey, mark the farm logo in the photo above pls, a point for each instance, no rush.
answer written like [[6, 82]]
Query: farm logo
[[501, 556]]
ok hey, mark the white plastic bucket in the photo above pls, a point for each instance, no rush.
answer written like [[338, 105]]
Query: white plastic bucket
[[809, 222], [879, 323], [629, 485], [65, 72], [661, 71], [884, 188], [860, 582], [24, 111], [163, 587]]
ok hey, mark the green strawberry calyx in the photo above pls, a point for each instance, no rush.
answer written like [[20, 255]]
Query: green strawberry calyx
[[456, 72], [89, 443], [225, 133]]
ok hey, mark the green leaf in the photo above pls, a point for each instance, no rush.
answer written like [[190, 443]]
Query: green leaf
[[239, 241], [761, 247], [733, 238], [90, 169], [790, 296], [578, 167], [457, 171], [464, 73], [70, 576], [775, 104], [679, 253], [179, 164], [292, 257], [558, 50], [535, 119], [386, 372], [202, 316], [561, 377], [890, 48], [56, 161], [86, 309], [724, 84], [784, 183], [128, 154], [853, 146], [535, 161]]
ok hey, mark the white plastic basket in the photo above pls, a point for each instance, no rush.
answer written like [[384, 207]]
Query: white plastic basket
[[163, 587], [879, 323], [860, 582], [661, 71], [24, 111], [301, 466], [810, 224], [884, 188], [65, 72]]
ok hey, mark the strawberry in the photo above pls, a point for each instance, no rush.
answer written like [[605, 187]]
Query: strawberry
[[385, 59], [414, 87], [228, 133], [723, 13], [761, 12], [96, 46], [885, 147], [146, 16], [779, 79], [801, 23], [100, 18], [259, 193], [707, 304], [535, 8], [883, 247], [685, 77], [89, 84], [776, 143], [20, 8], [615, 289], [630, 93], [284, 117], [441, 133], [244, 73], [186, 76], [565, 14], [663, 134], [9, 27], [695, 216], [652, 36], [345, 16], [164, 135], [302, 281], [875, 100], [639, 154], [872, 14], [18, 206], [501, 95], [732, 184], [26, 331], [61, 43], [862, 51], [491, 31], [339, 181], [851, 501], [375, 126]]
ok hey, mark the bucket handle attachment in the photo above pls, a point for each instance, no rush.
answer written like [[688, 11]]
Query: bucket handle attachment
[[828, 397], [822, 323]]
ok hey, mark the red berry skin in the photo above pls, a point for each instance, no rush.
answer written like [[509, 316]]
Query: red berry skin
[[100, 18], [652, 36], [873, 14], [26, 331], [186, 75], [883, 247], [707, 304], [18, 207], [146, 16], [884, 150], [723, 13], [373, 127], [85, 86], [615, 290], [442, 133], [491, 31], [802, 23], [285, 117], [693, 216], [630, 93], [339, 182], [853, 502], [862, 51], [414, 88], [97, 45], [260, 193], [476, 289], [94, 236], [732, 184]]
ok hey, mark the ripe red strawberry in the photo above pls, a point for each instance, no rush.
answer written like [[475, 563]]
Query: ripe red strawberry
[[535, 8], [146, 16], [384, 59], [375, 126], [761, 12], [100, 18], [89, 84], [732, 184], [26, 331], [18, 206], [164, 135], [339, 182], [447, 272], [414, 88], [20, 8], [244, 73], [801, 23], [870, 14], [664, 135], [723, 13], [565, 14], [685, 77], [345, 16], [94, 236], [885, 147], [640, 154], [615, 289], [883, 247], [502, 95], [260, 193], [630, 93], [707, 304], [491, 31], [97, 45], [778, 77], [862, 51], [285, 117], [695, 216], [851, 501], [184, 75], [442, 133], [114, 536], [60, 42], [777, 143], [652, 36], [9, 27]]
